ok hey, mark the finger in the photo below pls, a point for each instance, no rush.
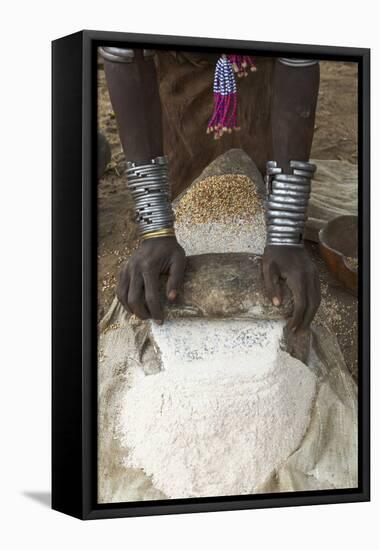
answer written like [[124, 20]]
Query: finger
[[271, 277], [299, 292], [122, 288], [136, 296], [151, 282], [314, 299], [176, 276]]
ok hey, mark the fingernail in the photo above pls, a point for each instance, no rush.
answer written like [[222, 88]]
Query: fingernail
[[172, 295], [276, 301]]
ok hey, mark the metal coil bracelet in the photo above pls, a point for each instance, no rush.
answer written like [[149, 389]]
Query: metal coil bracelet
[[287, 198], [122, 55], [297, 63], [149, 186]]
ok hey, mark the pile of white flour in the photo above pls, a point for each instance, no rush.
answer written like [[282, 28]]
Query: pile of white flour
[[226, 411]]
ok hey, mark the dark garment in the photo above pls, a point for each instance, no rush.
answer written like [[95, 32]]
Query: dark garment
[[186, 91]]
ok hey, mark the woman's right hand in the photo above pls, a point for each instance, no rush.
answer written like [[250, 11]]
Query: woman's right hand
[[138, 281]]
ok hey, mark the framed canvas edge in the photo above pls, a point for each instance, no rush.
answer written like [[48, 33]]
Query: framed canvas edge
[[90, 508]]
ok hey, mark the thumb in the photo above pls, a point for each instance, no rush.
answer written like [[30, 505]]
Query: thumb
[[176, 276], [271, 276]]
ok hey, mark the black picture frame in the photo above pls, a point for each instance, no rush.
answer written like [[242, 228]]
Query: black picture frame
[[74, 333]]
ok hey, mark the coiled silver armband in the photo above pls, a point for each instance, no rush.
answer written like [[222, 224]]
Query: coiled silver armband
[[297, 63], [123, 55], [150, 189], [287, 198]]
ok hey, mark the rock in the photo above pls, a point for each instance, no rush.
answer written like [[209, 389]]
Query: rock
[[297, 344], [234, 161], [231, 286], [224, 286], [235, 221]]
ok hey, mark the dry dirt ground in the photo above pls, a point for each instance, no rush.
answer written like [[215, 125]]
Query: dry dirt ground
[[335, 138]]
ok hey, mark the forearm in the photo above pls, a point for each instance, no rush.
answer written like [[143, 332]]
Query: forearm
[[289, 174], [293, 110], [133, 89]]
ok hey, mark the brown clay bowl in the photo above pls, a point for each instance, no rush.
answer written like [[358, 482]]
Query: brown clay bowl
[[338, 241]]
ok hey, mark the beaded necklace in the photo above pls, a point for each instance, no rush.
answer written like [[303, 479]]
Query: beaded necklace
[[224, 118]]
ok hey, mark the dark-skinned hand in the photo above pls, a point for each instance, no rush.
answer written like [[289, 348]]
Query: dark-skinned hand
[[293, 266], [138, 281]]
